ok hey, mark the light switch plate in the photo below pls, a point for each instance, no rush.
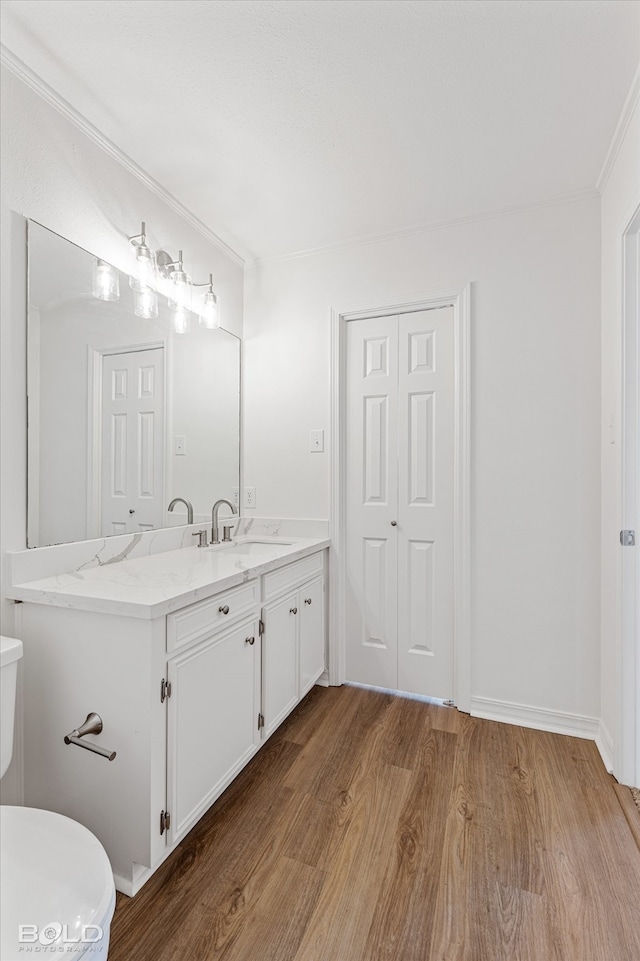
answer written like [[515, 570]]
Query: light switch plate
[[180, 445], [316, 441]]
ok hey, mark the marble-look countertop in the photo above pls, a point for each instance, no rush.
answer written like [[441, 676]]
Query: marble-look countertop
[[156, 584]]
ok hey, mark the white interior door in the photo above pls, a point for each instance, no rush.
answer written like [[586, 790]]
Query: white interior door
[[132, 446], [399, 516]]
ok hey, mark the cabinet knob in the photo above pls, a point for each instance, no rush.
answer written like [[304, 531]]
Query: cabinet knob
[[224, 610], [307, 600], [394, 523], [250, 640], [293, 610]]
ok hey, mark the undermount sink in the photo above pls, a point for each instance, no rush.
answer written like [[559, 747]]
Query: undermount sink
[[252, 547]]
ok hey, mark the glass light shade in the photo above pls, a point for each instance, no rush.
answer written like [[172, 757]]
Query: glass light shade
[[181, 287], [146, 303], [106, 281], [145, 268], [181, 320], [209, 317]]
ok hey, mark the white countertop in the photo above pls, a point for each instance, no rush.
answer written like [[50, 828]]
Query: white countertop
[[156, 584]]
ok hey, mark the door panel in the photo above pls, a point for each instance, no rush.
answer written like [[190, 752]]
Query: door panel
[[212, 721], [312, 637], [425, 502], [371, 595], [279, 660]]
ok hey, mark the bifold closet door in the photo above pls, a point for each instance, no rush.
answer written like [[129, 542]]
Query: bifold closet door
[[399, 502]]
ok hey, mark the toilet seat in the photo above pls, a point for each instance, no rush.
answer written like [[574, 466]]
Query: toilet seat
[[57, 884]]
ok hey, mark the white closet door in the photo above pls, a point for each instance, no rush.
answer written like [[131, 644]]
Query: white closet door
[[425, 502], [372, 496], [399, 502], [132, 473]]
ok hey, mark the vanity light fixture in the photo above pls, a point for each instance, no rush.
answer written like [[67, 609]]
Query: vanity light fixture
[[160, 272], [105, 282], [209, 317], [145, 267]]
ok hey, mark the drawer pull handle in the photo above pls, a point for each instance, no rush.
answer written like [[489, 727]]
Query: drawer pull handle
[[250, 640], [224, 609], [307, 600], [293, 610]]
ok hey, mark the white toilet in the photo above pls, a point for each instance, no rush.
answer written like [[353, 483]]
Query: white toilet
[[56, 883]]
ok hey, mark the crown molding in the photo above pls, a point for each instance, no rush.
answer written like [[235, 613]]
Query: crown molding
[[590, 194], [619, 133], [55, 100]]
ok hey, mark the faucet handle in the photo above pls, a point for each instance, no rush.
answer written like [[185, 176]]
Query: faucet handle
[[226, 532], [202, 538]]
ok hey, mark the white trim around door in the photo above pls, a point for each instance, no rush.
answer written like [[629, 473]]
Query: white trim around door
[[627, 742], [460, 299]]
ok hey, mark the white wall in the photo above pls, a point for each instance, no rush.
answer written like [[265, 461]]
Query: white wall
[[54, 173], [535, 423], [621, 195]]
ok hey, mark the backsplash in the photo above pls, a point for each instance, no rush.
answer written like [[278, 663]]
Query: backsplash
[[22, 567], [282, 527]]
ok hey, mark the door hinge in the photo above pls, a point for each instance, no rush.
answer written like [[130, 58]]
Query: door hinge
[[260, 627], [260, 721], [165, 821], [628, 538], [165, 690]]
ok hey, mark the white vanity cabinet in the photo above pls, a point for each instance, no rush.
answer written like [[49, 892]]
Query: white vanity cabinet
[[186, 697], [293, 639]]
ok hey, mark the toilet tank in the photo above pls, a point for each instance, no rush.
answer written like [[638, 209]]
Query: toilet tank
[[10, 654]]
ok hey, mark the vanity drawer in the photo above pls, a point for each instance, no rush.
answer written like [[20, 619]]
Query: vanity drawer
[[206, 617], [285, 577]]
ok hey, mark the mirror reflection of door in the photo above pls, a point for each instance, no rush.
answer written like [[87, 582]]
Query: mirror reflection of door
[[132, 441]]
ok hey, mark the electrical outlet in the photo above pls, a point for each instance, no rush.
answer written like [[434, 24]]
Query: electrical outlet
[[235, 496], [249, 497], [180, 447]]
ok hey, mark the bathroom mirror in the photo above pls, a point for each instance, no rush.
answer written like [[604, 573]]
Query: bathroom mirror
[[124, 413]]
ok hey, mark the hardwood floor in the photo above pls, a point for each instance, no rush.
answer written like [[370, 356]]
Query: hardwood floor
[[377, 828]]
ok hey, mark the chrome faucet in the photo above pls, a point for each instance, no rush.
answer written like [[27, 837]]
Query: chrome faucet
[[214, 518], [187, 504]]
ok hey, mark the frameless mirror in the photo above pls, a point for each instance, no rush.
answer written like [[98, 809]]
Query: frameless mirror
[[124, 413]]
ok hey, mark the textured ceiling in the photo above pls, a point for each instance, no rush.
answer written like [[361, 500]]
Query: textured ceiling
[[288, 125]]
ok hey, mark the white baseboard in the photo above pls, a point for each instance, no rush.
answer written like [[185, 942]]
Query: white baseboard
[[323, 680], [541, 719], [604, 743]]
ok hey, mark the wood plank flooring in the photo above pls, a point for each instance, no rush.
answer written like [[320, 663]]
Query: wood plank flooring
[[378, 828]]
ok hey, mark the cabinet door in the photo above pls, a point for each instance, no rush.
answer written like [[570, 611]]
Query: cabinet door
[[212, 720], [279, 660], [311, 633]]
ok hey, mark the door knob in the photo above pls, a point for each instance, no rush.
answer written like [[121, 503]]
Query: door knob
[[394, 523]]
